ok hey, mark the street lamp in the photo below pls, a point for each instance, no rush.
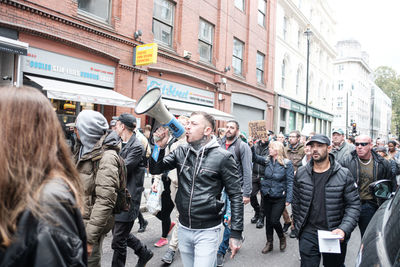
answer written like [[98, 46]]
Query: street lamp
[[308, 33]]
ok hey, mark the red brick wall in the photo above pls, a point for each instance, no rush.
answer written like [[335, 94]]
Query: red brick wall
[[57, 26]]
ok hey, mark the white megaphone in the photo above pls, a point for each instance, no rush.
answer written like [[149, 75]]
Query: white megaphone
[[150, 104]]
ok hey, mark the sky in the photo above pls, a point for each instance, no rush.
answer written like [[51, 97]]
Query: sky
[[375, 25]]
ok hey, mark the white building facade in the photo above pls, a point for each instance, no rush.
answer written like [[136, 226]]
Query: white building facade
[[356, 98], [293, 17]]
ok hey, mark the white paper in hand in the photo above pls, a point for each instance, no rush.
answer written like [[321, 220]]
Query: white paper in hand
[[328, 242]]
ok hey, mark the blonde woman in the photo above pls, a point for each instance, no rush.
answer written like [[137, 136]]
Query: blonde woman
[[276, 189]]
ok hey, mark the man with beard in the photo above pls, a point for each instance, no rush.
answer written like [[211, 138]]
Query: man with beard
[[204, 169], [261, 148], [325, 197], [341, 149], [243, 156]]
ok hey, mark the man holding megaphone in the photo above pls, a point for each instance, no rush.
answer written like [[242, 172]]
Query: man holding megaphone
[[204, 169]]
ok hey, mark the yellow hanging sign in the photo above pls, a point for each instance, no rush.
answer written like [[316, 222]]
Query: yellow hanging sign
[[145, 54]]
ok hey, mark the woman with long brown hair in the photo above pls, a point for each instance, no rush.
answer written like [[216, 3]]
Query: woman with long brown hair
[[40, 190], [276, 189]]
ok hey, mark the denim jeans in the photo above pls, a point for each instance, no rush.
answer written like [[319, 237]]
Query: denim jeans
[[198, 247], [368, 210], [223, 247]]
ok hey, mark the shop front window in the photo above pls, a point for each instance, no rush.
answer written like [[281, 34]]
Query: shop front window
[[68, 110]]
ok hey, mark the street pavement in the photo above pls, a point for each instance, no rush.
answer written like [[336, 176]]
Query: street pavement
[[249, 255]]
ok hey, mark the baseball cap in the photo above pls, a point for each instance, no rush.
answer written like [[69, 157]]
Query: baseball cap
[[127, 119], [319, 138], [339, 131]]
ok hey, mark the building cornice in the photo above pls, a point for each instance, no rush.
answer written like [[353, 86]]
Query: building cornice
[[353, 60], [52, 37], [64, 19]]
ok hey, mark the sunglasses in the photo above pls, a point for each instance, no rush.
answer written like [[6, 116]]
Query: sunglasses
[[362, 144]]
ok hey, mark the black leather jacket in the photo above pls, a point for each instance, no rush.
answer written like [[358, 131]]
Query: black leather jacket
[[342, 202], [56, 239], [201, 177]]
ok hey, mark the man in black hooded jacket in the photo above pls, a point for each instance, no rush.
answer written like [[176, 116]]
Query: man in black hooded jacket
[[325, 197]]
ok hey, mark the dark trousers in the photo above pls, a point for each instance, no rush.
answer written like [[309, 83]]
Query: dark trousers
[[273, 208], [140, 218], [122, 238], [311, 257], [258, 208], [368, 210], [166, 208]]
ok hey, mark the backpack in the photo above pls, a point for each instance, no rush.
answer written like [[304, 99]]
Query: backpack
[[237, 150], [123, 202]]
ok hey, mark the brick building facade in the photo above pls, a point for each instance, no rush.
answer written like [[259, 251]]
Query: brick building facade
[[219, 53]]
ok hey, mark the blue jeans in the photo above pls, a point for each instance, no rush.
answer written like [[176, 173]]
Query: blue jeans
[[223, 247], [368, 210], [198, 247]]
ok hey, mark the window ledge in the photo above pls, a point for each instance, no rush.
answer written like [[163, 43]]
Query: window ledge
[[87, 17], [166, 48], [239, 76], [206, 64]]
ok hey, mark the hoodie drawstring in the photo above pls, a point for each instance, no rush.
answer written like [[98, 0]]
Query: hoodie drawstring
[[184, 161], [201, 160]]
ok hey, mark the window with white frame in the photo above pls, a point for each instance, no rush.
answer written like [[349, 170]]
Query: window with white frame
[[283, 74], [262, 10], [206, 33], [284, 28], [260, 67], [237, 60], [163, 21], [239, 4], [340, 85], [98, 9]]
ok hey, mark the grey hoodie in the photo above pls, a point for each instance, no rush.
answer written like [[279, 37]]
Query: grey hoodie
[[91, 126]]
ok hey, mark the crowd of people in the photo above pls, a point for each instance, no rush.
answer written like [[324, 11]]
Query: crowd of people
[[56, 206]]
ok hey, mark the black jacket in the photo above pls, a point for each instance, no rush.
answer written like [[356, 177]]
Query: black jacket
[[382, 168], [259, 169], [133, 154], [342, 202], [56, 239], [201, 177]]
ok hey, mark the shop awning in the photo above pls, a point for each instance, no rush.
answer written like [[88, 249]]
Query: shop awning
[[82, 93], [179, 108], [13, 46]]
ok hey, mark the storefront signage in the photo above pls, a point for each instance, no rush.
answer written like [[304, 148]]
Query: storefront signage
[[145, 54], [258, 130], [68, 68], [284, 102], [181, 92], [300, 108]]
